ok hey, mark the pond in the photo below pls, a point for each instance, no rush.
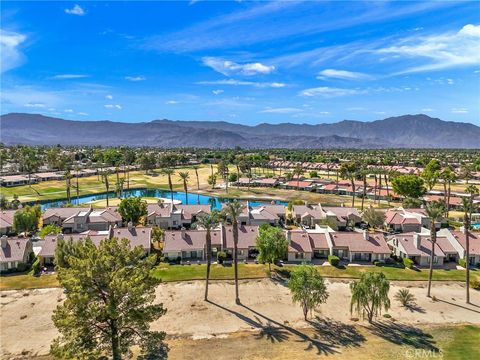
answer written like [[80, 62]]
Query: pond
[[213, 201]]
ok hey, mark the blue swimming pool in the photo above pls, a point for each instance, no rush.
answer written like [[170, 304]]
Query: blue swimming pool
[[213, 201], [476, 226]]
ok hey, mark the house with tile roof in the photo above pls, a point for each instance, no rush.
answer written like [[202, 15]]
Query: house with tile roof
[[14, 251], [457, 239], [6, 222], [177, 216]]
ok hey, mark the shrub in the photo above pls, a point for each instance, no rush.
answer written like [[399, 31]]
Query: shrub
[[408, 263], [221, 256], [333, 260], [36, 266], [475, 284], [462, 263], [377, 263], [21, 267], [387, 316], [405, 297]]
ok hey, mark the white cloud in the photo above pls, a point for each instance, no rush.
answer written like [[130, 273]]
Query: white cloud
[[171, 102], [68, 111], [69, 76], [285, 110], [11, 56], [427, 110], [82, 113], [35, 105], [76, 10], [113, 106], [459, 110], [342, 74], [442, 51], [243, 83], [329, 92], [135, 78], [227, 67], [109, 97], [217, 92]]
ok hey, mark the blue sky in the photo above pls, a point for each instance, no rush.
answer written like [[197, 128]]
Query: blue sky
[[243, 62]]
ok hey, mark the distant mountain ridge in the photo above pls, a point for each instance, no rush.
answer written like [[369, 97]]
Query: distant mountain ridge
[[416, 131]]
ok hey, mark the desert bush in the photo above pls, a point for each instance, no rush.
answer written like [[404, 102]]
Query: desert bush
[[405, 297], [408, 263], [333, 260]]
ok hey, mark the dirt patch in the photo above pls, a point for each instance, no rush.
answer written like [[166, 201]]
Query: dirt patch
[[266, 306]]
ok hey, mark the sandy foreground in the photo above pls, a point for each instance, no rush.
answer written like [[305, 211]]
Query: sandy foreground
[[26, 325]]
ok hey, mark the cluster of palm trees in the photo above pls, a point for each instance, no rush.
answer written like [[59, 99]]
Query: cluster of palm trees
[[435, 210], [209, 222]]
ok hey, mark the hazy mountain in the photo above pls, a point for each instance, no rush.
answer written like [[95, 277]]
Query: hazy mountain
[[403, 131]]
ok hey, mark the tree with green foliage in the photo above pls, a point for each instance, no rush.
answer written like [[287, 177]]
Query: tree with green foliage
[[272, 244], [370, 295], [195, 168], [232, 211], [374, 218], [26, 219], [434, 210], [409, 186], [108, 308], [298, 171], [406, 298], [132, 209], [158, 236], [313, 174], [307, 288], [212, 180], [50, 229], [208, 222], [448, 176], [431, 173], [185, 176]]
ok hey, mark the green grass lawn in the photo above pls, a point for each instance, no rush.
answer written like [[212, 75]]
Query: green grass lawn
[[168, 272]]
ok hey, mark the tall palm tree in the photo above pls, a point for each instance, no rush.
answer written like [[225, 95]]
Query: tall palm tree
[[233, 210], [350, 171], [208, 222], [435, 210], [467, 219], [68, 183], [184, 176], [104, 176], [299, 172], [196, 167], [169, 172]]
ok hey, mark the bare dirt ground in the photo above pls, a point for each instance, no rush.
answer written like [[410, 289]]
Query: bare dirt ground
[[26, 325]]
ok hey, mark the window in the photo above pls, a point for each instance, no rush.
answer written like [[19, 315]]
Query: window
[[299, 256]]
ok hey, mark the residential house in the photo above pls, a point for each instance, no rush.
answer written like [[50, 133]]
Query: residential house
[[191, 244], [167, 216], [16, 180], [418, 247], [407, 220], [138, 236], [457, 239], [57, 215], [92, 219], [359, 246], [14, 251], [247, 241], [336, 217], [6, 222], [46, 176], [299, 246]]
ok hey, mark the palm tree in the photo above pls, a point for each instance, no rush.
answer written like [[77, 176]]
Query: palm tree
[[233, 211], [467, 219], [104, 176], [299, 172], [208, 222], [196, 167], [350, 171], [448, 176], [77, 170], [184, 176], [68, 180], [169, 172], [434, 211]]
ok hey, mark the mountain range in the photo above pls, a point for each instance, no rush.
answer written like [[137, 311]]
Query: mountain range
[[412, 131]]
